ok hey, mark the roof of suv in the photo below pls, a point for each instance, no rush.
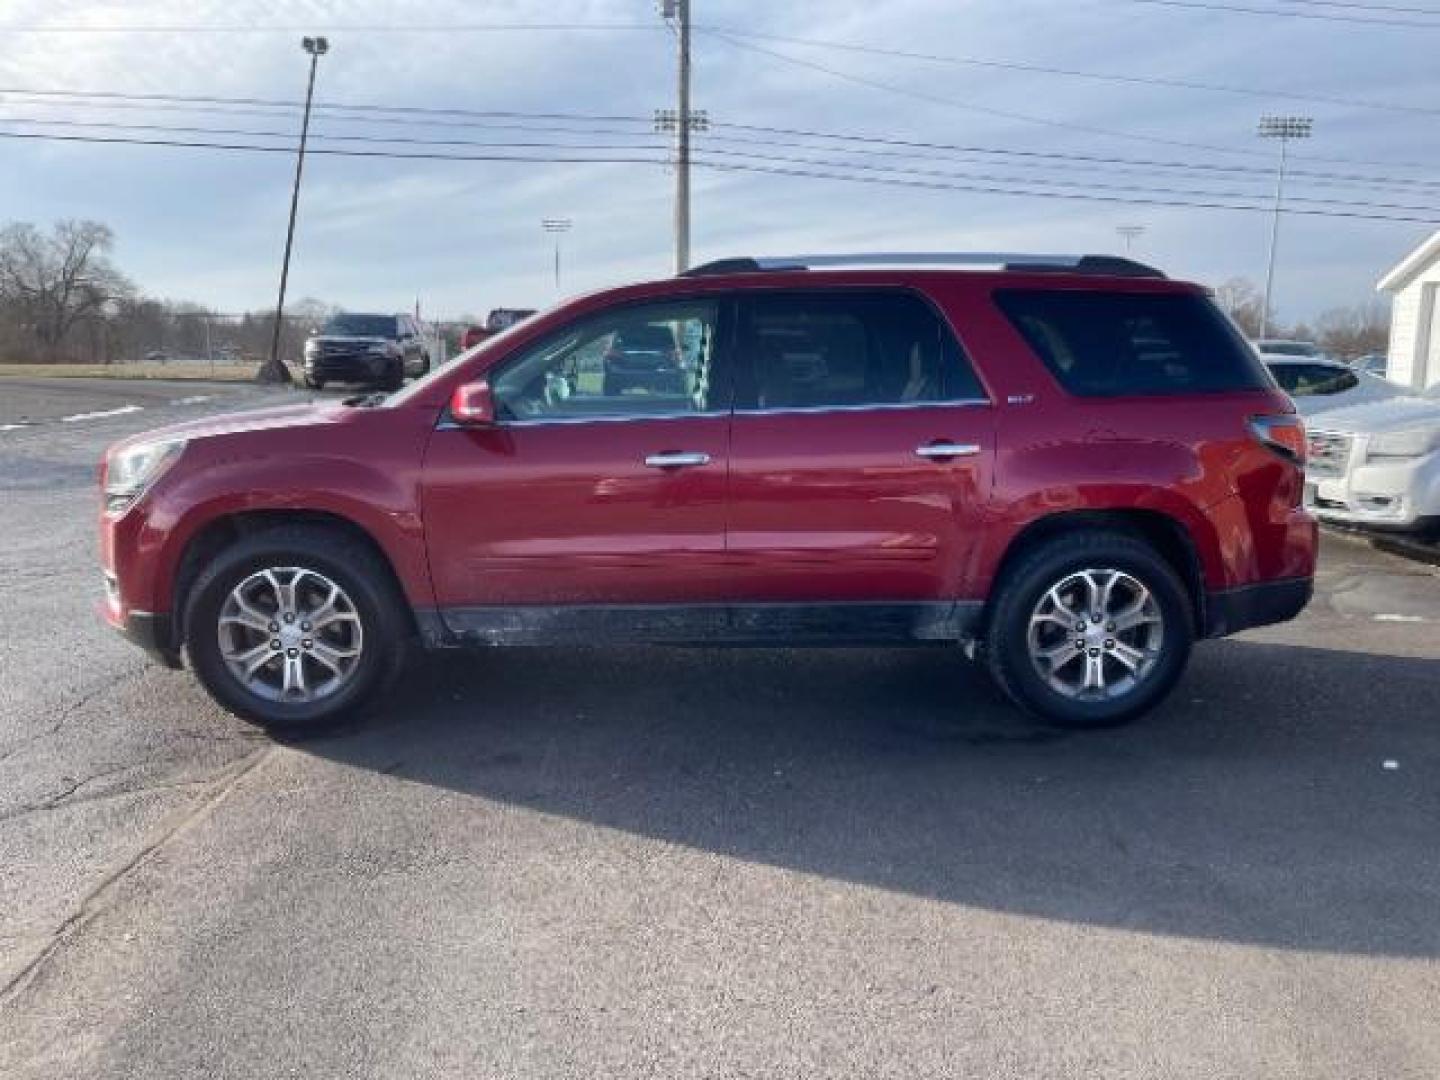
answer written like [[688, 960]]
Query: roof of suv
[[1087, 265]]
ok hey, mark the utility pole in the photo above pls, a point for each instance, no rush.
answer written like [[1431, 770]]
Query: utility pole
[[274, 369], [1283, 128], [683, 122], [557, 227], [1131, 233]]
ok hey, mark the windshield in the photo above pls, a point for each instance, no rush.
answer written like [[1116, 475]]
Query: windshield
[[348, 325], [1287, 348]]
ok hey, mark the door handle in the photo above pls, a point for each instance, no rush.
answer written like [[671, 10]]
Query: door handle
[[677, 461], [943, 451]]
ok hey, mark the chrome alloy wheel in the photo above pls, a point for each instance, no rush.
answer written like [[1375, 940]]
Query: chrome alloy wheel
[[290, 635], [1095, 635]]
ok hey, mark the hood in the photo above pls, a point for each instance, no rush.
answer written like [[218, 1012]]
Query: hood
[[350, 339], [306, 414], [1391, 415]]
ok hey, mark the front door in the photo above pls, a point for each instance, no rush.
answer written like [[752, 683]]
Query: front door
[[589, 490], [860, 458]]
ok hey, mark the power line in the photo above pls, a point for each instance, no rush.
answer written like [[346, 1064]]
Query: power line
[[776, 170], [462, 118], [253, 133], [935, 99], [1242, 9], [331, 28], [1018, 65], [1047, 121], [1067, 157], [407, 110]]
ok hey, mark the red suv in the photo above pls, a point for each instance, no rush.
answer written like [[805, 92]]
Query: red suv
[[1071, 467]]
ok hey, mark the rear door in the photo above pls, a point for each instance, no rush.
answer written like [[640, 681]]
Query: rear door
[[581, 494], [860, 450]]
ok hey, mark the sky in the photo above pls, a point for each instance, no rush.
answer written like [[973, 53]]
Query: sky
[[464, 236]]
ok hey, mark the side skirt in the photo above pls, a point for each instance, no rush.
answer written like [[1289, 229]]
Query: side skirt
[[832, 624]]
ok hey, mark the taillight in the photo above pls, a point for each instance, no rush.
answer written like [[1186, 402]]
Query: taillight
[[1283, 434]]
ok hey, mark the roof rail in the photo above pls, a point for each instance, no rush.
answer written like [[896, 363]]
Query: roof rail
[[1109, 265]]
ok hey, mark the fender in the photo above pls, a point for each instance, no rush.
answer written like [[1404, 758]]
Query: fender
[[385, 506]]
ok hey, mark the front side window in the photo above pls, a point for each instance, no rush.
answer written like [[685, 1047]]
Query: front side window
[[639, 360], [1100, 344], [846, 350]]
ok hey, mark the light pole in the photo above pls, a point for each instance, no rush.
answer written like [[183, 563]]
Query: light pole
[[557, 227], [1131, 233], [274, 369], [1283, 128], [683, 122]]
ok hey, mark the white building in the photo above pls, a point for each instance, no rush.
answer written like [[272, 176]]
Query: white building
[[1415, 316]]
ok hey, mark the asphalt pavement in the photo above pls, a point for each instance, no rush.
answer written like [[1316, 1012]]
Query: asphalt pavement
[[675, 863]]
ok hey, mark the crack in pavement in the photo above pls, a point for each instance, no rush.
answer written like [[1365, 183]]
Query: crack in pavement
[[67, 712], [92, 903], [64, 800]]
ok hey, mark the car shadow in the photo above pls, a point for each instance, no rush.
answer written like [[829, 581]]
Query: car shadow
[[1285, 796]]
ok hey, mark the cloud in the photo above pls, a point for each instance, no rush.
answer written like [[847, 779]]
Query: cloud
[[464, 235]]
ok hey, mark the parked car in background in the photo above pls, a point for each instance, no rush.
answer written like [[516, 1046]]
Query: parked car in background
[[499, 319], [1101, 474], [1378, 464], [1376, 364], [1320, 385], [646, 356], [355, 347], [1281, 347]]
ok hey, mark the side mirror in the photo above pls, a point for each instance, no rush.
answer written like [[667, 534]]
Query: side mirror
[[473, 404]]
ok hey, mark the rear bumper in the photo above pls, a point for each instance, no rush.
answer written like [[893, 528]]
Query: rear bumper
[[1228, 611]]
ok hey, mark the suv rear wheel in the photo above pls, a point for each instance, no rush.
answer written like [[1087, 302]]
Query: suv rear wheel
[[295, 626], [1090, 629]]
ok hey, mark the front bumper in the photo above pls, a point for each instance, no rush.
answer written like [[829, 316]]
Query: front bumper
[[348, 367], [1396, 494], [152, 632], [1228, 611]]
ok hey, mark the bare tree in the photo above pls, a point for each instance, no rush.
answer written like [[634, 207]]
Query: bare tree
[[1240, 298], [1350, 332], [51, 282]]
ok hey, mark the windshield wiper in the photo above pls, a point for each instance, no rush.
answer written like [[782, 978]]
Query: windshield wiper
[[366, 401]]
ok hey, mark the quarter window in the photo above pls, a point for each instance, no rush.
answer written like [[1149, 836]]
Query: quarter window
[[648, 359], [840, 350], [1100, 344]]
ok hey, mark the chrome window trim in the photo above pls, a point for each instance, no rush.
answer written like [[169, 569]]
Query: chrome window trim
[[448, 424], [872, 407], [805, 410]]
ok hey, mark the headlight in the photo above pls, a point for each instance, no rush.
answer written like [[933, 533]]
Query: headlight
[[311, 347], [1416, 442], [129, 472]]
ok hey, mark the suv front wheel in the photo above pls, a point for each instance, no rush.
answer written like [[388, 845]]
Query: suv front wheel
[[1090, 629], [295, 626]]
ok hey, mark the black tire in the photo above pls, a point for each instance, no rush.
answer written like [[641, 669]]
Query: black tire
[[1007, 645], [350, 563], [614, 386], [394, 377]]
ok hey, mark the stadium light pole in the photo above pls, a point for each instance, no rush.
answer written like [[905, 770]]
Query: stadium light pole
[[1131, 233], [1283, 128], [274, 369], [557, 227]]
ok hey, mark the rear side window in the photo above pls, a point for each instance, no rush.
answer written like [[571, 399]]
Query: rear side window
[[847, 350], [1311, 380], [1101, 344]]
